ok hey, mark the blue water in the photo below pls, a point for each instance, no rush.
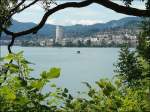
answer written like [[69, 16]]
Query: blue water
[[90, 65]]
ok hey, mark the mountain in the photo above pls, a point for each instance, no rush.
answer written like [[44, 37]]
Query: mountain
[[78, 30], [47, 30]]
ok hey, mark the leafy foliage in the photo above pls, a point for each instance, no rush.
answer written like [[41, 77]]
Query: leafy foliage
[[144, 40], [130, 92], [129, 67], [21, 92], [5, 7], [111, 98], [129, 2], [18, 90], [48, 3]]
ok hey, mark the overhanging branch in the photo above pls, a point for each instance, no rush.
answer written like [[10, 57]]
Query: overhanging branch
[[107, 3], [123, 9], [15, 10], [46, 15], [17, 6]]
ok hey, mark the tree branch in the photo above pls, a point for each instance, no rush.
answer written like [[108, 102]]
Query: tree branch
[[25, 7], [107, 3], [46, 15], [17, 6], [14, 11], [11, 44], [123, 9]]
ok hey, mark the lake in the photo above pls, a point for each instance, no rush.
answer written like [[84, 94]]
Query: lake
[[90, 65]]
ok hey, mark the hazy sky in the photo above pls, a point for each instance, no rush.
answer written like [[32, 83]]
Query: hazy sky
[[88, 15]]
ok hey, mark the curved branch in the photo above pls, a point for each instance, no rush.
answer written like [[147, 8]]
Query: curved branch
[[5, 70], [14, 11], [11, 44], [123, 9], [47, 14], [19, 4], [107, 3], [25, 7]]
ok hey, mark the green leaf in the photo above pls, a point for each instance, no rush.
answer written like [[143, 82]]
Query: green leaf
[[53, 85], [102, 83], [9, 57], [70, 97], [52, 73], [44, 75], [25, 62], [87, 84], [65, 90], [22, 100], [7, 93], [64, 94], [12, 67], [38, 84]]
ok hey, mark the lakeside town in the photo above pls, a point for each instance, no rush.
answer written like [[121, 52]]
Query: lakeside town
[[109, 38]]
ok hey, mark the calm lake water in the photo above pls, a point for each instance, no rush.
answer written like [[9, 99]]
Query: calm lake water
[[90, 65]]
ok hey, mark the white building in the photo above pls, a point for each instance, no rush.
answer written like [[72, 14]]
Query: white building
[[59, 34]]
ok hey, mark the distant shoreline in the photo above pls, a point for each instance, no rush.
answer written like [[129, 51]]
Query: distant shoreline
[[60, 47]]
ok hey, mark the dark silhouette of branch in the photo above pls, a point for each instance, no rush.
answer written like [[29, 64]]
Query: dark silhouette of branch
[[16, 10], [18, 5], [5, 70], [123, 9], [11, 44], [27, 6], [46, 15], [107, 3]]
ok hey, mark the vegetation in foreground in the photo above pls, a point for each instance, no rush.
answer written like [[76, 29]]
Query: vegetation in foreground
[[129, 91]]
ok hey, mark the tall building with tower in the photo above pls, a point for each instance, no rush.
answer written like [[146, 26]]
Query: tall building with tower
[[59, 34]]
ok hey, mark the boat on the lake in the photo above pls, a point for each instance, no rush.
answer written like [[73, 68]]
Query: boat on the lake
[[78, 52]]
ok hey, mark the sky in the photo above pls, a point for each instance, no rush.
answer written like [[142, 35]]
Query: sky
[[89, 15]]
